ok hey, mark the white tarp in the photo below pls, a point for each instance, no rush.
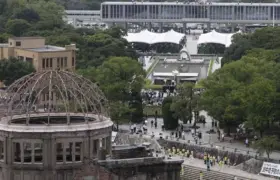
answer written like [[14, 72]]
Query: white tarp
[[215, 37], [148, 37], [161, 74], [271, 169]]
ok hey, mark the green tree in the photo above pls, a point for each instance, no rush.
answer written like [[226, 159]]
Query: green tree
[[121, 78], [260, 98], [17, 27], [27, 14], [211, 48], [12, 69], [226, 88], [170, 121], [266, 145], [240, 44], [185, 102], [264, 38]]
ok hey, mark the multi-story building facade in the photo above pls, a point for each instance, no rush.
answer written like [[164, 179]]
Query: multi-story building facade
[[42, 56]]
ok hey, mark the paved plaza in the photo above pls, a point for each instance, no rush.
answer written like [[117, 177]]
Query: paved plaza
[[207, 139]]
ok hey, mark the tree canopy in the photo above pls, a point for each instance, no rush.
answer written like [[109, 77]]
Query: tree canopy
[[245, 91], [13, 69], [265, 38], [121, 79]]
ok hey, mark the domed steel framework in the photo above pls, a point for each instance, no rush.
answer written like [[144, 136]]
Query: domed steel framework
[[51, 92]]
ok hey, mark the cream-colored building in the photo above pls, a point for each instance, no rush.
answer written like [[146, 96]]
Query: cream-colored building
[[42, 56]]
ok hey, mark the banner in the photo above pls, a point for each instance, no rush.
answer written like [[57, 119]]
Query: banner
[[271, 169]]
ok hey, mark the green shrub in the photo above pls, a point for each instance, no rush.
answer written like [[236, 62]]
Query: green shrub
[[137, 114], [170, 122]]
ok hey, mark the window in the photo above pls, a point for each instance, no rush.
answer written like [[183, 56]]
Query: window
[[1, 150], [21, 58], [95, 147], [103, 143], [18, 43], [29, 60], [78, 147], [69, 152], [58, 62], [17, 152], [59, 152], [38, 152], [43, 63], [61, 62], [73, 61], [51, 62], [47, 62], [27, 152], [108, 144], [65, 61]]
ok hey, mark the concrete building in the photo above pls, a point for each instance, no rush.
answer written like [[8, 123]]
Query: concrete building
[[182, 68], [54, 122], [190, 12], [42, 56]]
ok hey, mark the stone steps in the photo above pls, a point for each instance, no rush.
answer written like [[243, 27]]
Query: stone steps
[[192, 173]]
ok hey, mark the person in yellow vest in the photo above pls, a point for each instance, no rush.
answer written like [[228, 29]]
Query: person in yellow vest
[[205, 158], [169, 152], [188, 153], [220, 165], [201, 175], [214, 160], [173, 151], [211, 161], [182, 170]]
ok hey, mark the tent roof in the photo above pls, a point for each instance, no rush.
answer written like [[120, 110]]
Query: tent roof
[[215, 37], [148, 37]]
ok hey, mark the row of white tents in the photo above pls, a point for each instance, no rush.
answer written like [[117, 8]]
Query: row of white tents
[[148, 37], [172, 36]]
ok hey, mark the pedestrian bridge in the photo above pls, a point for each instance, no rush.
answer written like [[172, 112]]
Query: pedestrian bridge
[[191, 12]]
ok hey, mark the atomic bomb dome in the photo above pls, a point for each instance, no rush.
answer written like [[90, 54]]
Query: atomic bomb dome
[[54, 121]]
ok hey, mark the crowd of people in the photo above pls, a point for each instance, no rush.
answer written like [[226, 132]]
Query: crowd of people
[[209, 160], [151, 97]]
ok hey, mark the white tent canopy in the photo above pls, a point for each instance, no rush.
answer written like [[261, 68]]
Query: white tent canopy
[[148, 37], [215, 37]]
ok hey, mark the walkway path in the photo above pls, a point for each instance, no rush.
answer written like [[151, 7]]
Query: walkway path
[[225, 169], [207, 139]]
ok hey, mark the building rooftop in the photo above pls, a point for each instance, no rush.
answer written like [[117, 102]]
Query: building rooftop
[[194, 66], [47, 48], [21, 38], [4, 45], [191, 3]]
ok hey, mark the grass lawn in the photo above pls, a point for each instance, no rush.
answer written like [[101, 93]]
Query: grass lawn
[[150, 110]]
